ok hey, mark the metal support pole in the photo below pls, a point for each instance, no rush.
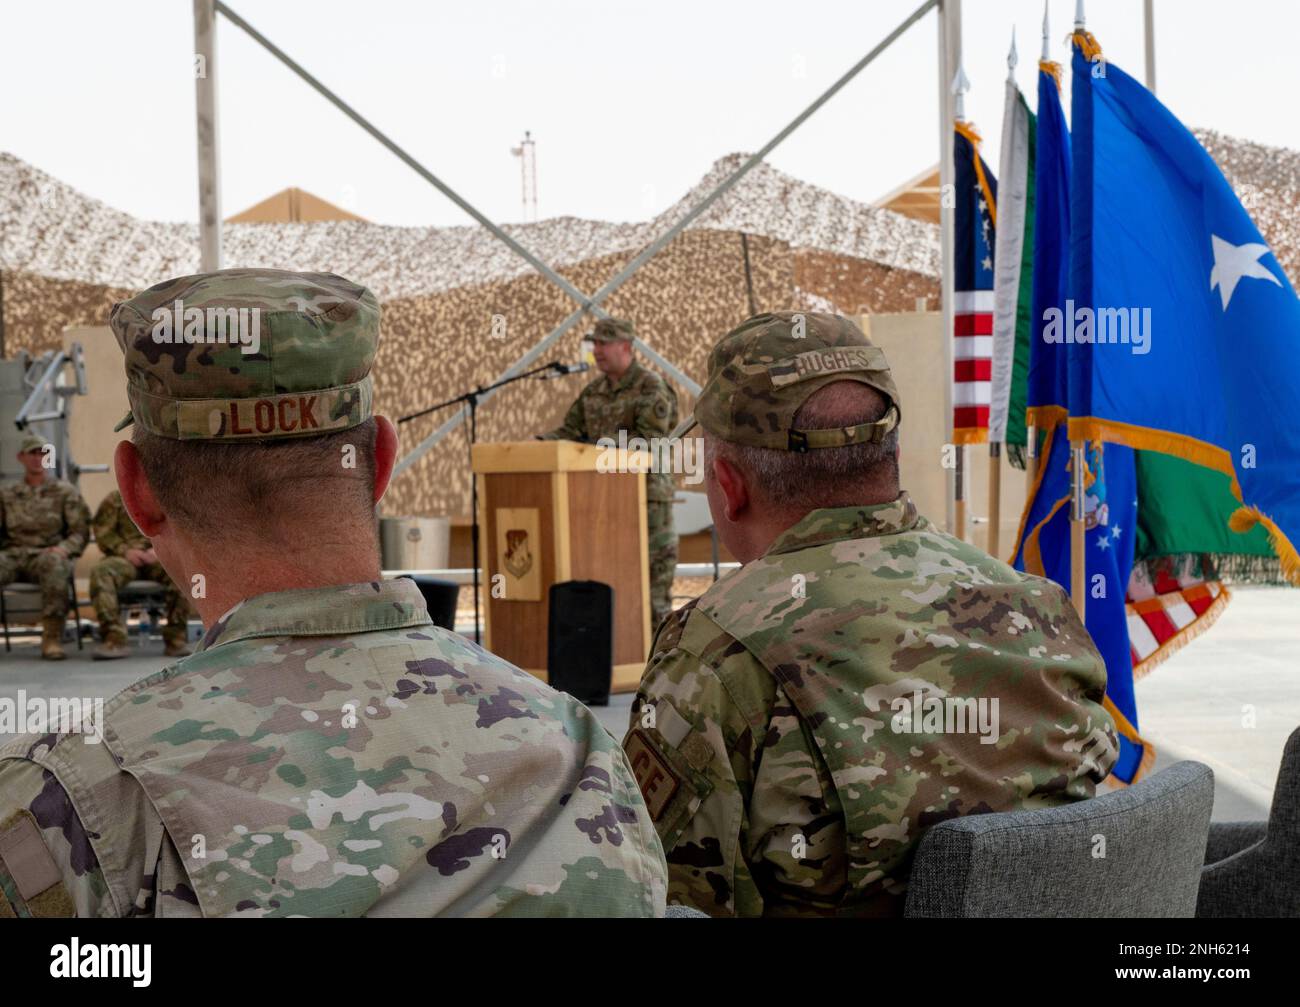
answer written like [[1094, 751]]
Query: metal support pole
[[205, 92], [655, 246], [1031, 461], [949, 60], [1149, 37], [406, 158], [1078, 558], [589, 304], [995, 499]]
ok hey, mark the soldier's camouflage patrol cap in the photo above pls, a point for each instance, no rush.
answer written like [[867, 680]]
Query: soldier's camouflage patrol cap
[[248, 354], [762, 372], [612, 330], [31, 442]]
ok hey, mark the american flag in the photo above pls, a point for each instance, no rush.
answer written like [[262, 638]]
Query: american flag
[[1169, 602], [974, 237]]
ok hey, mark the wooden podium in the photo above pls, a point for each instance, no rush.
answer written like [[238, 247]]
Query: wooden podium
[[548, 514]]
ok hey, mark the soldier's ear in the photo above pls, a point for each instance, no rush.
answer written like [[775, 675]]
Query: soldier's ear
[[731, 481], [385, 454], [137, 495]]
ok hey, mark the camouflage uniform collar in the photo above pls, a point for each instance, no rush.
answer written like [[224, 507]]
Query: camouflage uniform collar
[[629, 378], [831, 524], [338, 610]]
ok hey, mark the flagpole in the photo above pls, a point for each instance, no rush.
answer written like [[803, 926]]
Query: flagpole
[[1031, 431], [949, 53], [1031, 460], [1149, 38], [960, 85], [994, 544], [1078, 531]]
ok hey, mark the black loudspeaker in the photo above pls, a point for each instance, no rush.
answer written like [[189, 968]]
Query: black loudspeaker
[[580, 640], [440, 598]]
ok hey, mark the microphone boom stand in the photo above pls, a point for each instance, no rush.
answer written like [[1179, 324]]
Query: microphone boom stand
[[471, 400]]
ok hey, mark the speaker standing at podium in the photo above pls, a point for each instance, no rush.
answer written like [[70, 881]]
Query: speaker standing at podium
[[630, 398]]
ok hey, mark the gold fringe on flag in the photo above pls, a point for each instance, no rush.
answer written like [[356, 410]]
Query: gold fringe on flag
[[1185, 635], [1245, 518], [1087, 43]]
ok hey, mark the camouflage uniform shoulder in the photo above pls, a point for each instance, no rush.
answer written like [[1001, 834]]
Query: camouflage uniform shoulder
[[396, 769], [61, 488], [651, 382], [96, 821], [692, 632], [68, 488]]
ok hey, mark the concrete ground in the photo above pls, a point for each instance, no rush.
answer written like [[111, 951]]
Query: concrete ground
[[1229, 699]]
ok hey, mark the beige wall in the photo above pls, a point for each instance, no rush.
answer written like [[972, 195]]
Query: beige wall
[[94, 415], [913, 342]]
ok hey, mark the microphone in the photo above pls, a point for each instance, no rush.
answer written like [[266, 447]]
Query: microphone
[[558, 370]]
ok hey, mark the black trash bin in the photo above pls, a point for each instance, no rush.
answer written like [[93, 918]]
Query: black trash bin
[[440, 597]]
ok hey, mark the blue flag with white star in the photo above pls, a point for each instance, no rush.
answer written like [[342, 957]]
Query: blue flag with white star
[[1184, 332]]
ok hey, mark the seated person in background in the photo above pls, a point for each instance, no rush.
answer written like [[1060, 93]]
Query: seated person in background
[[128, 556], [864, 675], [44, 527]]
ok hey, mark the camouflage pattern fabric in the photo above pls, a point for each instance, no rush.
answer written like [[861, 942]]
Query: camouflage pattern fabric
[[642, 404], [769, 734], [763, 371], [34, 519], [47, 570], [612, 330], [392, 770], [248, 354], [116, 534], [662, 544]]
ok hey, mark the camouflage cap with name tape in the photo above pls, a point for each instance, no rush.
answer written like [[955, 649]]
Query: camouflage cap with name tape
[[762, 372], [613, 330], [248, 354]]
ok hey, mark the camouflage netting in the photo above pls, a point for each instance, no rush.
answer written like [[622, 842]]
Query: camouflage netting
[[65, 258]]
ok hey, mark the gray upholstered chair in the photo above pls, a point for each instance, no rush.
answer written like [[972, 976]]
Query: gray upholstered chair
[[677, 912], [1253, 868], [1048, 862]]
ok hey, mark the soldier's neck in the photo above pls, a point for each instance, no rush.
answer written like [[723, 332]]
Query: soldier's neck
[[230, 583], [36, 479]]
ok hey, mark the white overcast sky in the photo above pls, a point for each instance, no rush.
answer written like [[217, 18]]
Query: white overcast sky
[[630, 103]]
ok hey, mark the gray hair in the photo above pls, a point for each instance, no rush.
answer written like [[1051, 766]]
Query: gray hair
[[823, 477]]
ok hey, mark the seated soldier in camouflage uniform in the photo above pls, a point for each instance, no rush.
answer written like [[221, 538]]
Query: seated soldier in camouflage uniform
[[628, 397], [863, 675], [44, 527], [328, 750], [128, 556]]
